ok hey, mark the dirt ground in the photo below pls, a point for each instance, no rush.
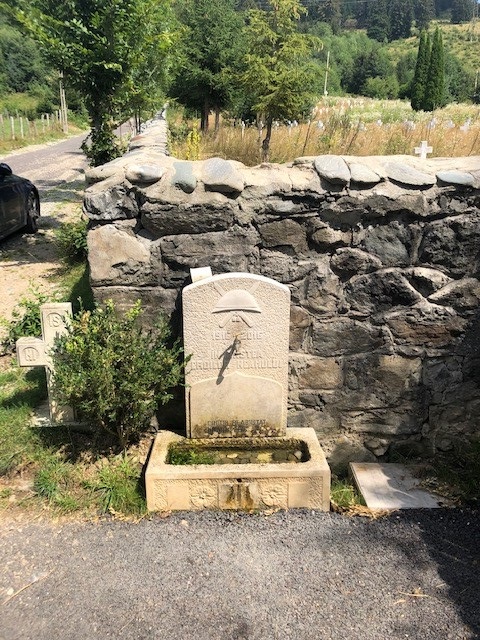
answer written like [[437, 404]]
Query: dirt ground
[[31, 262]]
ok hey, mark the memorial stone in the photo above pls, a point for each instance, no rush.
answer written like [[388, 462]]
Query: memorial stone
[[236, 332], [35, 352]]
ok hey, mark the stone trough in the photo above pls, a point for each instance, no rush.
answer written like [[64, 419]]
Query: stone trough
[[235, 333], [269, 485]]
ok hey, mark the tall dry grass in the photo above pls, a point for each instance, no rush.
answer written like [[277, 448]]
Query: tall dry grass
[[358, 126]]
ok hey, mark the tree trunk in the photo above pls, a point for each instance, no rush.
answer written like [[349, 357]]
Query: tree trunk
[[217, 120], [266, 141], [205, 116]]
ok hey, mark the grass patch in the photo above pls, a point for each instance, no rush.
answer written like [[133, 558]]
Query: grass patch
[[357, 126], [344, 495]]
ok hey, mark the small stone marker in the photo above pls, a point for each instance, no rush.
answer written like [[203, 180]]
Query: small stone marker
[[423, 149], [391, 486], [35, 352], [236, 330]]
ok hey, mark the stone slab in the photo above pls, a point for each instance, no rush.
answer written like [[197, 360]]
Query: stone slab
[[391, 486], [232, 486], [236, 330]]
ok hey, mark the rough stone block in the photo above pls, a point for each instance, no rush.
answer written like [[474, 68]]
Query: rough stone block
[[321, 373]]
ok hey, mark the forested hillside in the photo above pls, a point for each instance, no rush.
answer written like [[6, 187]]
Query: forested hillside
[[227, 56]]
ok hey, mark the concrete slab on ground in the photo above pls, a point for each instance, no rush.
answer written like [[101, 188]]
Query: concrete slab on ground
[[391, 486]]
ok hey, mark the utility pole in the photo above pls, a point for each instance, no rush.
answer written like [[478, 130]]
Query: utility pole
[[63, 105], [325, 92]]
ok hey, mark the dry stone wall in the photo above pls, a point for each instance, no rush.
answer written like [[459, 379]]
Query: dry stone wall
[[382, 257]]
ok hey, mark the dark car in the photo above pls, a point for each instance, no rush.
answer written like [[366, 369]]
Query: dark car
[[19, 203]]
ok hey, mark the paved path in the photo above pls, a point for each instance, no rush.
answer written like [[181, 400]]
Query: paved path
[[51, 164], [219, 576]]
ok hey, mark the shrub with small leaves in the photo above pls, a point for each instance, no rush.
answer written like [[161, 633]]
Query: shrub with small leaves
[[71, 240], [115, 373]]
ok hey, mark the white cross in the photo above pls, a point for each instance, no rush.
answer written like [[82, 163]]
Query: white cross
[[35, 352], [423, 149]]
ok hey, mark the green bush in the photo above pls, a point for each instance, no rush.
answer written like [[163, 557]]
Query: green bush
[[71, 239], [115, 373]]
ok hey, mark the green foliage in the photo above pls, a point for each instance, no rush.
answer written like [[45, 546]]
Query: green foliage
[[424, 11], [193, 145], [71, 240], [419, 84], [117, 487], [181, 455], [462, 11], [434, 97], [207, 56], [378, 20], [25, 319], [280, 77], [371, 62], [133, 370], [111, 51], [344, 495], [20, 392], [401, 18]]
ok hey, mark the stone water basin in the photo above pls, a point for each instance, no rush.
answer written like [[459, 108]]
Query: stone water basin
[[279, 473]]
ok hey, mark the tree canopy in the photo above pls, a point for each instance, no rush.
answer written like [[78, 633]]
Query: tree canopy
[[112, 51], [207, 56], [280, 77]]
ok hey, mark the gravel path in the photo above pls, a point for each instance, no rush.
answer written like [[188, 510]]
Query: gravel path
[[219, 576]]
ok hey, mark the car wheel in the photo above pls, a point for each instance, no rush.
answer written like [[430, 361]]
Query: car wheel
[[33, 211]]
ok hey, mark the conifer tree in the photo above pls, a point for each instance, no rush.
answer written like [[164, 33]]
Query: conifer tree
[[400, 14], [330, 11], [378, 23], [424, 11], [435, 88], [417, 94], [462, 11]]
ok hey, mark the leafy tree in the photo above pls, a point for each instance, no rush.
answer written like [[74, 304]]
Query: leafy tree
[[435, 87], [462, 11], [23, 66], [400, 13], [103, 47], [209, 51], [419, 84], [378, 22], [280, 77], [405, 71]]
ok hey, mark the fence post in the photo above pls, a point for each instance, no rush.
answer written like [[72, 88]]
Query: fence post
[[12, 127], [21, 127]]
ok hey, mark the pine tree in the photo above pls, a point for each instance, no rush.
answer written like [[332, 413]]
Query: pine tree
[[330, 12], [400, 13], [417, 94], [378, 24], [424, 11], [435, 89], [462, 11]]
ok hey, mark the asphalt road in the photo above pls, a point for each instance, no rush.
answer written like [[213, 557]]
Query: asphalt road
[[297, 575], [49, 165]]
